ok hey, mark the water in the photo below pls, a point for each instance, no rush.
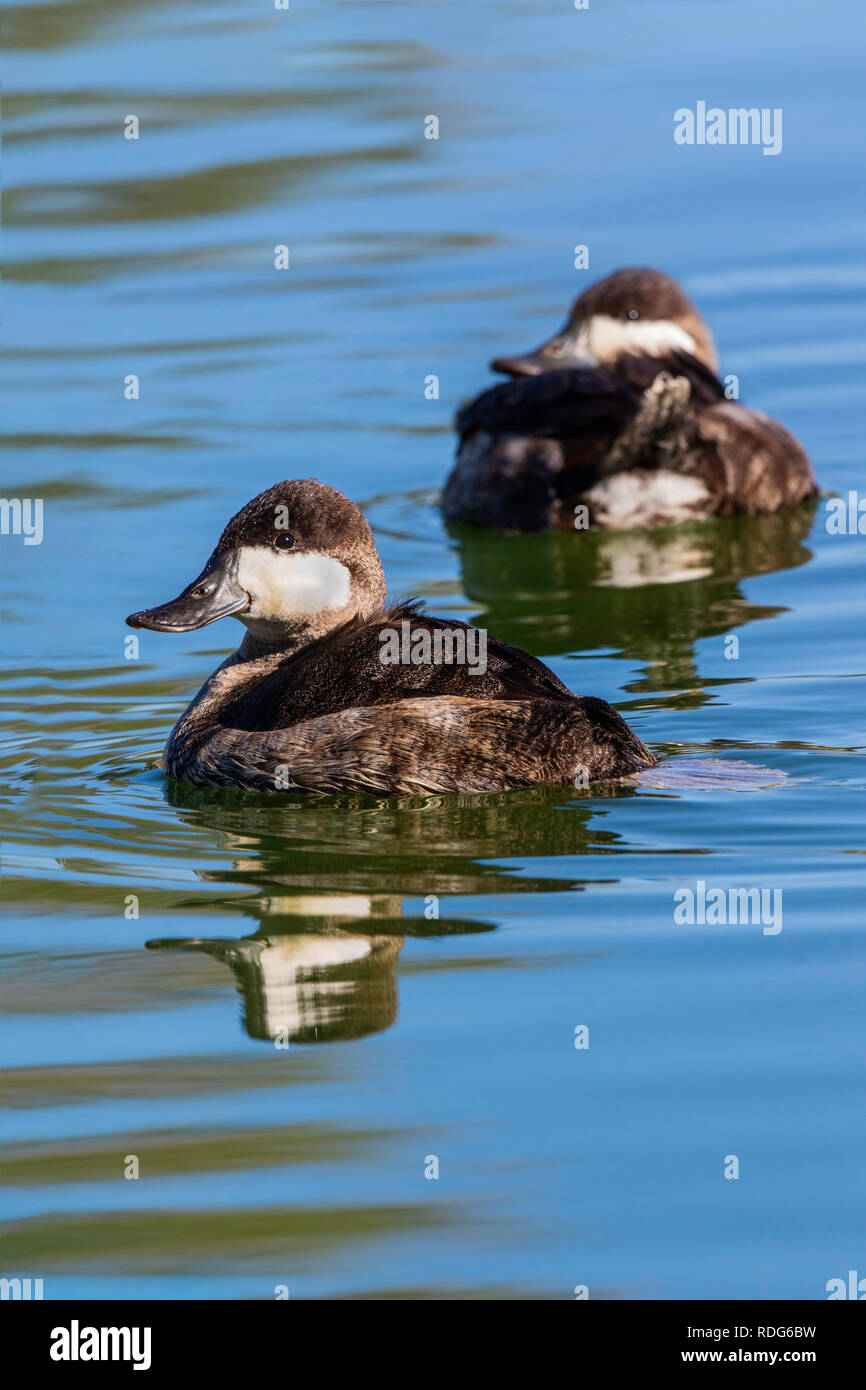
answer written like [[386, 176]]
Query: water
[[411, 1036]]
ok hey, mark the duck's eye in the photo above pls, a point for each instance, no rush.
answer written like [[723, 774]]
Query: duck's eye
[[284, 541], [556, 348], [633, 314]]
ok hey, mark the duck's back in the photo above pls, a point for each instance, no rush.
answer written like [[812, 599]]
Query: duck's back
[[386, 659], [531, 448]]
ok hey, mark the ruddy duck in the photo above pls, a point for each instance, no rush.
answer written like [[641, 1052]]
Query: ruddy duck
[[306, 702], [620, 422]]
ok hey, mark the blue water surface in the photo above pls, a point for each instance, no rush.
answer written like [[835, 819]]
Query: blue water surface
[[417, 1041]]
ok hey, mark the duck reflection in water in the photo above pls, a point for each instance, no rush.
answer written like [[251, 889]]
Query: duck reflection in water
[[655, 593], [321, 967], [305, 976]]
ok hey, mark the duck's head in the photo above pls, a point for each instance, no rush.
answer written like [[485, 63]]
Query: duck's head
[[295, 562], [631, 312]]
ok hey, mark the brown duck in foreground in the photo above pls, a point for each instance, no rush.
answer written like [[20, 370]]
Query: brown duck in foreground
[[331, 690]]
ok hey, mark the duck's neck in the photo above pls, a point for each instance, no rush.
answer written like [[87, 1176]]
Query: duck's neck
[[253, 648], [276, 640]]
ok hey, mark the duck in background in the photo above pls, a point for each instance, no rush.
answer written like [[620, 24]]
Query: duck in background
[[620, 422]]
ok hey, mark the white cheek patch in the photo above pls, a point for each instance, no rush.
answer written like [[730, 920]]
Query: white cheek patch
[[602, 339], [283, 586]]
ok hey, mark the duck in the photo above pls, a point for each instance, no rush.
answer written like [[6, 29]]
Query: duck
[[620, 422], [334, 690]]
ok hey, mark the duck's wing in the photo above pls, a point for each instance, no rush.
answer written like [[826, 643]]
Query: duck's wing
[[582, 401], [753, 464], [493, 671], [639, 373], [416, 746], [402, 653]]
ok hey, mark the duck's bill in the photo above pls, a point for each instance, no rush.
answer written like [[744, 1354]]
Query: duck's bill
[[550, 357], [530, 364], [215, 594]]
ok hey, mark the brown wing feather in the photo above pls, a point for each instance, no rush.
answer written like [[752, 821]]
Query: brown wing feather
[[429, 745], [751, 462], [581, 400]]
